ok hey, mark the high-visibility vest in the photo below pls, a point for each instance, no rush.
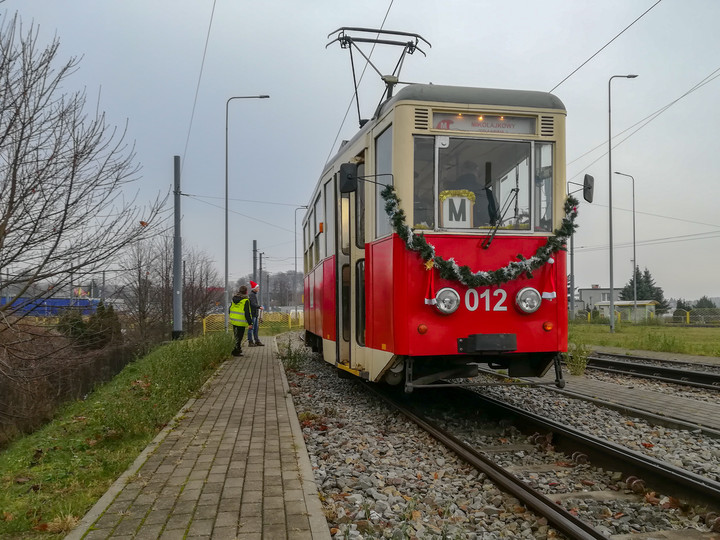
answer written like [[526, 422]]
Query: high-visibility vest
[[237, 313]]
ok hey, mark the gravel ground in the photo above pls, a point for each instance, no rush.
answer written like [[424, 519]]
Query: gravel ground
[[693, 451], [381, 477]]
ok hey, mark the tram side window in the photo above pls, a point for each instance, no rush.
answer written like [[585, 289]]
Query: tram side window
[[306, 247], [383, 166], [424, 183], [329, 219], [543, 187], [360, 210], [317, 220]]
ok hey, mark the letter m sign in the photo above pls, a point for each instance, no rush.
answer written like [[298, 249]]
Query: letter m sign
[[456, 213]]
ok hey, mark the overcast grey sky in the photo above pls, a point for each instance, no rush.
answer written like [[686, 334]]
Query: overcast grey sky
[[142, 59]]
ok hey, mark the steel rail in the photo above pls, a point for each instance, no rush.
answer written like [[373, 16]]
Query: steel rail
[[560, 518], [694, 486], [689, 377]]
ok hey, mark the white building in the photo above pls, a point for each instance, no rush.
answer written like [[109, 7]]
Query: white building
[[625, 309]]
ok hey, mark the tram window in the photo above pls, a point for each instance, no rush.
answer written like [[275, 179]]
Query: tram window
[[311, 241], [345, 223], [360, 302], [424, 183], [360, 210], [329, 219], [306, 247], [487, 176], [543, 187], [383, 166], [319, 218]]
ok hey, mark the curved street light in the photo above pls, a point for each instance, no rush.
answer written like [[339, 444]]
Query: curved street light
[[297, 311], [227, 293], [610, 207], [634, 244]]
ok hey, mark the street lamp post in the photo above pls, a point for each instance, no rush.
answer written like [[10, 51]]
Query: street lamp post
[[634, 244], [295, 257], [610, 203], [227, 292]]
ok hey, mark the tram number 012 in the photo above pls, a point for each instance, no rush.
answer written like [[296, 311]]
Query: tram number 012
[[473, 300]]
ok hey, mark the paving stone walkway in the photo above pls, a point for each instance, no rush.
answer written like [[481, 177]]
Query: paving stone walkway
[[232, 464]]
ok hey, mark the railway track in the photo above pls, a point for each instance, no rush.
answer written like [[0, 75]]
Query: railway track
[[698, 376], [639, 471]]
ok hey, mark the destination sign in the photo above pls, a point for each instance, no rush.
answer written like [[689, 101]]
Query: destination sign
[[484, 123]]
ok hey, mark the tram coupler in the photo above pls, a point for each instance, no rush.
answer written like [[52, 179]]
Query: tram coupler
[[559, 381]]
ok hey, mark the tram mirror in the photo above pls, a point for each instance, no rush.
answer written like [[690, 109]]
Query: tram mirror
[[348, 177], [588, 188]]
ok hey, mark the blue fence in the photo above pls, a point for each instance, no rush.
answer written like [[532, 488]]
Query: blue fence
[[50, 307]]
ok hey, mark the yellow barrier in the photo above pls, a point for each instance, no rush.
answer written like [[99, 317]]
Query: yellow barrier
[[271, 323]]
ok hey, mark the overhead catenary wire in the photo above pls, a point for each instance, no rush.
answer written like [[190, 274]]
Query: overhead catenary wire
[[605, 46], [655, 241], [347, 111], [714, 225], [255, 219], [193, 195], [197, 87], [645, 121]]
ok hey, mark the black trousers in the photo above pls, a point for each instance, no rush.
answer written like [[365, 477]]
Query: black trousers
[[239, 332]]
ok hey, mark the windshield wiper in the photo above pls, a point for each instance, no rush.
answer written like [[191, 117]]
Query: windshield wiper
[[506, 206]]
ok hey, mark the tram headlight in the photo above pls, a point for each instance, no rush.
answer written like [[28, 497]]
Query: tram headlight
[[528, 300], [448, 300]]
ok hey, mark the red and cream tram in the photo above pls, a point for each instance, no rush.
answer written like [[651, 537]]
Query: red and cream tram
[[433, 241]]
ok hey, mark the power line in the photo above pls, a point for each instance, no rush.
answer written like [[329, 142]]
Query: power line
[[241, 200], [645, 121], [662, 216], [655, 241], [257, 220], [337, 135], [604, 46], [197, 88]]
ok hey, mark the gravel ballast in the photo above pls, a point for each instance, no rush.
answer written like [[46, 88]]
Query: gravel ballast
[[380, 476]]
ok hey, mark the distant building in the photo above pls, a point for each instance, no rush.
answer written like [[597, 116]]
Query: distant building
[[589, 298], [598, 298], [626, 309]]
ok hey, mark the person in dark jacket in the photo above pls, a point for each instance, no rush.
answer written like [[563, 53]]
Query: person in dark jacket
[[240, 317], [255, 307]]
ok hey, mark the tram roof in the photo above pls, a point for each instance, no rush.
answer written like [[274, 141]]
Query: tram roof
[[477, 96], [464, 94]]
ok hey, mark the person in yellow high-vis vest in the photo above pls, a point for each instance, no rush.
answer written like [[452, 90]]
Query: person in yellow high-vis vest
[[239, 317]]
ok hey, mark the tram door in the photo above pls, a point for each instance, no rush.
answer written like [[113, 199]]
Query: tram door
[[350, 272]]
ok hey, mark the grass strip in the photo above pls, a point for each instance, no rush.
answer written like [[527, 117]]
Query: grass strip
[[703, 341], [51, 478]]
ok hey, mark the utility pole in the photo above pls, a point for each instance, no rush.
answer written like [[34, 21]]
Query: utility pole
[[177, 260], [260, 280], [255, 261], [267, 286]]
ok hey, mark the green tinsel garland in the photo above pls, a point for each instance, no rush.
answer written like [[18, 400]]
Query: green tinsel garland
[[450, 270]]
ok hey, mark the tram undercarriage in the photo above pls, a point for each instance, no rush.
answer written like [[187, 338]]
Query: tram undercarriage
[[426, 372]]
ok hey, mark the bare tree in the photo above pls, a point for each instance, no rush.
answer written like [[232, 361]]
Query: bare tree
[[63, 177], [140, 293], [65, 215], [285, 288], [162, 269], [201, 291]]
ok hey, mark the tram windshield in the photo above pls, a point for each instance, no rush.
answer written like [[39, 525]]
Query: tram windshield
[[480, 184]]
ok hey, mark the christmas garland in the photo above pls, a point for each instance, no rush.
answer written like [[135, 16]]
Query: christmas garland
[[450, 270]]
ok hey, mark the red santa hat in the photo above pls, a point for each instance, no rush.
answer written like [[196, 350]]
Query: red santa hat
[[253, 285]]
